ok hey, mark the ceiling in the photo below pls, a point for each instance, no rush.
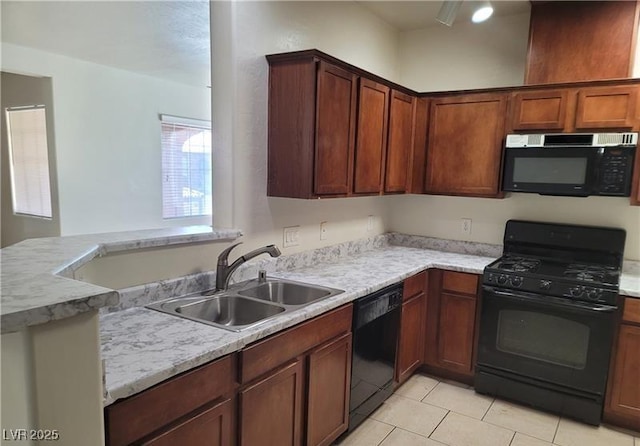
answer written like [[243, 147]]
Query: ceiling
[[410, 15], [166, 39]]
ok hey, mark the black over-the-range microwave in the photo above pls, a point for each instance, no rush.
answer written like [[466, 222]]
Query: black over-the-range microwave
[[570, 164]]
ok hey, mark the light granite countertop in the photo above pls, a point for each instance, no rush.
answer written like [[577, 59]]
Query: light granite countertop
[[164, 345], [36, 281]]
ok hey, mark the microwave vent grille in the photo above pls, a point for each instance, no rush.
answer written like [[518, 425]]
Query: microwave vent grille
[[615, 139], [535, 140]]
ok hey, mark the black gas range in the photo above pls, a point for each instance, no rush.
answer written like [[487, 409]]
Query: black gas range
[[549, 306], [577, 281]]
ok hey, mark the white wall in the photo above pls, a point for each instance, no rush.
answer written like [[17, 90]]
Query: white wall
[[491, 54], [242, 33], [439, 216], [466, 55], [107, 136]]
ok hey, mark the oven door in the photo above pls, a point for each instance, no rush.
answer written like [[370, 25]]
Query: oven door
[[548, 339], [551, 171]]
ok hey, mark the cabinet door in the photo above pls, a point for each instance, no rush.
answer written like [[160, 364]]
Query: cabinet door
[[465, 145], [456, 329], [329, 388], [625, 391], [539, 110], [211, 427], [606, 107], [371, 137], [335, 130], [411, 338], [419, 146], [401, 125], [271, 409]]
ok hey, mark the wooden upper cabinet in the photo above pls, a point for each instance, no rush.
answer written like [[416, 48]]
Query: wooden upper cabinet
[[606, 107], [465, 145], [371, 137], [335, 123], [400, 145], [417, 164], [539, 110], [573, 41], [610, 108], [312, 113]]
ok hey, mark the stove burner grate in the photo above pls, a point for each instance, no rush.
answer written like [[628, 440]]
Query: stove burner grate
[[519, 264], [586, 273]]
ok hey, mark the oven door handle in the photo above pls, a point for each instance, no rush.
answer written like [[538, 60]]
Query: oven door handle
[[553, 301]]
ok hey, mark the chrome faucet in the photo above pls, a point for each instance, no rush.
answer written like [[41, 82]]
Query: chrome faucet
[[224, 270]]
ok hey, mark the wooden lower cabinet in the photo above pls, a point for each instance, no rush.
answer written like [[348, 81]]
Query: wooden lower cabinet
[[410, 352], [328, 391], [195, 407], [210, 427], [456, 327], [451, 324], [271, 409], [295, 385], [622, 405]]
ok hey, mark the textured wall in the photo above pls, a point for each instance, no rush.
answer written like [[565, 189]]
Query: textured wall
[[242, 33]]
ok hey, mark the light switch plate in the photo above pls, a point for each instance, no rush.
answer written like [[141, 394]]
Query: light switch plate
[[291, 236]]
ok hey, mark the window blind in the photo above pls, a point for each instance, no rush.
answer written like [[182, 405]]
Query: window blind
[[29, 161], [186, 167]]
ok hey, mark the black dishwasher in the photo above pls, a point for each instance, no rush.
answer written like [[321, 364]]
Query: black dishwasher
[[376, 319]]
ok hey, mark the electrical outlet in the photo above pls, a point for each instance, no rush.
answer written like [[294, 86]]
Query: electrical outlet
[[466, 226], [323, 230], [370, 220], [291, 236]]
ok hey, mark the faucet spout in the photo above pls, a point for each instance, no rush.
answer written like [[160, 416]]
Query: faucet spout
[[224, 270]]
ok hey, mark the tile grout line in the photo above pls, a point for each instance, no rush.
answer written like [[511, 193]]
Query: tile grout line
[[387, 436], [438, 425], [490, 406], [555, 434]]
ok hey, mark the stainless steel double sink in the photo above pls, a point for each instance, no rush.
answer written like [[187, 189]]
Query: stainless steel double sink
[[246, 304]]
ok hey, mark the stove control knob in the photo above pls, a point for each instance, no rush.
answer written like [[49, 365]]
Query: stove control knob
[[576, 291], [516, 281], [545, 284], [593, 294], [502, 279]]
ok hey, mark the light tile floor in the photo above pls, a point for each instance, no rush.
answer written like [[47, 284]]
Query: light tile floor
[[427, 411]]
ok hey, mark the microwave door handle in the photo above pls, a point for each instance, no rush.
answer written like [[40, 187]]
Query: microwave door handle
[[534, 298]]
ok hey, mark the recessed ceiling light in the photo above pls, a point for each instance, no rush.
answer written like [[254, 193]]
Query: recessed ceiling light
[[482, 13]]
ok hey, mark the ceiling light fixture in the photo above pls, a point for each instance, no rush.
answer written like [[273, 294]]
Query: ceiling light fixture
[[448, 12], [482, 13]]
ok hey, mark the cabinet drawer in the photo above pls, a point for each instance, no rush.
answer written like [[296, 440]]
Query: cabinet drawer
[[414, 285], [141, 414], [460, 282], [631, 310], [211, 427], [274, 351]]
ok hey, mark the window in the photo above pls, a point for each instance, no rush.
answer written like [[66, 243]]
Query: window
[[186, 167], [29, 160]]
